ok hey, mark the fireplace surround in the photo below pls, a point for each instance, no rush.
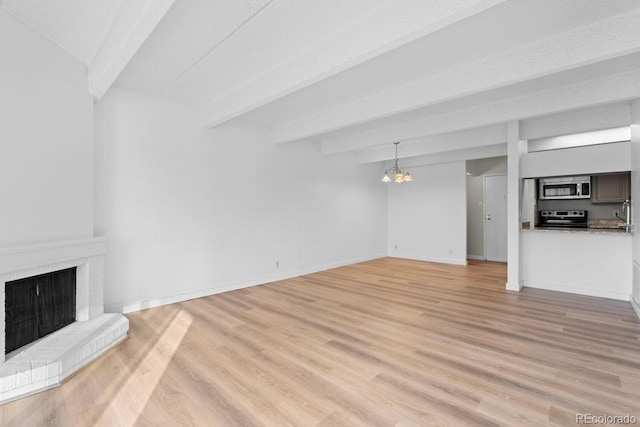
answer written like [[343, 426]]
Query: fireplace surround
[[46, 362]]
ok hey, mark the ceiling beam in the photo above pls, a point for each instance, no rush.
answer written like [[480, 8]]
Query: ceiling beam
[[131, 27], [382, 30], [607, 39], [485, 152], [437, 144], [588, 93]]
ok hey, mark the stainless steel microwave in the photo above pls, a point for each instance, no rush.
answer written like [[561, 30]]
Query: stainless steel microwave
[[567, 187]]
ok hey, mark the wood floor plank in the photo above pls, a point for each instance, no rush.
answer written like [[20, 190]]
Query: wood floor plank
[[390, 342]]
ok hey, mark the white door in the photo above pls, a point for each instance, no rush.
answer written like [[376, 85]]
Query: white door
[[495, 218]]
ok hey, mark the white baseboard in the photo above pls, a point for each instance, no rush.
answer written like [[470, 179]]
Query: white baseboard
[[476, 257], [455, 261], [514, 287], [172, 299], [577, 290]]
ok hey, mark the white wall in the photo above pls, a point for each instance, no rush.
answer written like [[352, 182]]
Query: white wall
[[190, 211], [46, 140], [427, 217], [475, 200]]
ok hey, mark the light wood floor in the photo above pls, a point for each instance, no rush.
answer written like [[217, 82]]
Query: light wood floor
[[383, 343]]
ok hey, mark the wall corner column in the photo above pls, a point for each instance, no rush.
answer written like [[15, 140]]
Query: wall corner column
[[515, 149], [635, 199]]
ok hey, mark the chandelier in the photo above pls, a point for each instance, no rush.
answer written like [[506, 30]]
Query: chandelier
[[396, 172]]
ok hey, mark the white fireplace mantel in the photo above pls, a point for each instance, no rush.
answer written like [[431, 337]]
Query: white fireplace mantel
[[17, 258], [46, 362]]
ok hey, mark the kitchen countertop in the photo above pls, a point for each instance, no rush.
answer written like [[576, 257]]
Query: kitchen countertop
[[599, 226], [608, 231]]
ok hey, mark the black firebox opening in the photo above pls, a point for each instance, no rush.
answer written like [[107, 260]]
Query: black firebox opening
[[37, 306]]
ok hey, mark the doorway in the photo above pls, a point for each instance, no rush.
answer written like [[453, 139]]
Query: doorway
[[495, 217]]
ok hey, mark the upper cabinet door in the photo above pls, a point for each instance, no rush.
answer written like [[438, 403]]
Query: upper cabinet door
[[610, 188]]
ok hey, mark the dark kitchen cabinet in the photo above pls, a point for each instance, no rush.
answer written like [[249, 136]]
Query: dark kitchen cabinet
[[610, 188]]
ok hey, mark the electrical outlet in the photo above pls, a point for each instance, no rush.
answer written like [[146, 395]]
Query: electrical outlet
[[450, 251], [616, 212], [277, 264], [395, 247]]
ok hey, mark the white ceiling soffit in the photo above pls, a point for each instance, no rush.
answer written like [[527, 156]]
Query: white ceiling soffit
[[604, 136]]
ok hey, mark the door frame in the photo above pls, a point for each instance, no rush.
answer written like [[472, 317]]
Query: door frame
[[484, 210]]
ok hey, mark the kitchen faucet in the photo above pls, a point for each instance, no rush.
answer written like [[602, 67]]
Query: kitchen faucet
[[626, 211]]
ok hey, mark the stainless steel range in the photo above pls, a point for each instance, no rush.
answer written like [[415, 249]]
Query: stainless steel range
[[563, 219]]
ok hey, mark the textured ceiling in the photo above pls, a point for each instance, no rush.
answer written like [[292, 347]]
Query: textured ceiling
[[78, 26], [190, 61], [451, 47], [358, 75]]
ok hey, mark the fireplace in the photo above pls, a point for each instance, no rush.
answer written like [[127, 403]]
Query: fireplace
[[37, 306], [41, 274]]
